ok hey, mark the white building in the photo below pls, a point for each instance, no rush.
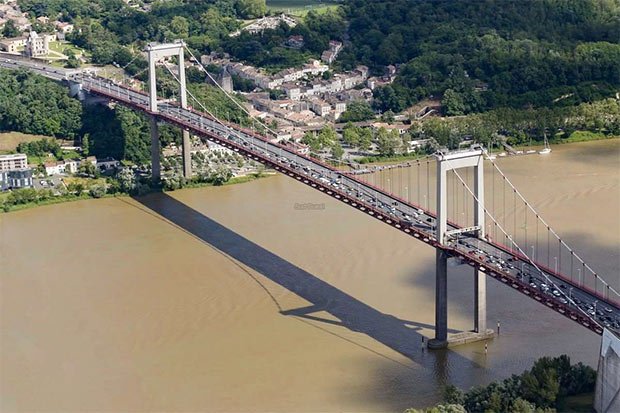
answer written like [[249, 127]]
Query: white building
[[12, 45], [13, 161], [320, 107], [37, 45]]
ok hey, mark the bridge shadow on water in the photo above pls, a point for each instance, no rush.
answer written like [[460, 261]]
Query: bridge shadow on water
[[397, 334]]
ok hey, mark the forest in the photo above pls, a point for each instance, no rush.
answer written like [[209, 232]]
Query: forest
[[487, 54]]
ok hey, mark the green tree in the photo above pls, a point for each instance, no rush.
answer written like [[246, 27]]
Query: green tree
[[75, 188], [85, 144], [337, 151], [351, 135], [452, 103], [127, 180], [220, 175], [10, 29], [178, 29], [97, 191], [249, 9], [388, 142], [357, 111], [365, 139]]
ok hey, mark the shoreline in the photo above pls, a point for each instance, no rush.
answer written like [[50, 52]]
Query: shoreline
[[387, 162], [62, 199]]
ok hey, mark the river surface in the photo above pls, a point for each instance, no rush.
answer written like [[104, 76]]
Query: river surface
[[231, 299]]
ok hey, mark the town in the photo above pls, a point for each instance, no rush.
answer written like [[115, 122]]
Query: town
[[309, 205]]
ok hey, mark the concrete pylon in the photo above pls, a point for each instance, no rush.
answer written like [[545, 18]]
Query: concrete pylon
[[441, 301], [480, 283], [446, 162], [155, 161], [156, 52]]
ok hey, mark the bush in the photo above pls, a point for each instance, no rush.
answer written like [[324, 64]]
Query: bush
[[97, 191]]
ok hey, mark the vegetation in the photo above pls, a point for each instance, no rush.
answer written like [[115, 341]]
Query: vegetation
[[269, 51], [23, 110], [10, 140], [357, 111], [302, 7], [541, 389], [583, 122], [482, 55]]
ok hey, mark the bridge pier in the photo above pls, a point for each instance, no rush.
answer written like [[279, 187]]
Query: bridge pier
[[155, 161], [480, 302], [187, 155], [441, 301]]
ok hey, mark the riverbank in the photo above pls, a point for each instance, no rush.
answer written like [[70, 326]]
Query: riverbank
[[575, 137], [6, 208]]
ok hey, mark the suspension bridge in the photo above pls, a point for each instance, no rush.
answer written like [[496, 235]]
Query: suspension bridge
[[441, 200]]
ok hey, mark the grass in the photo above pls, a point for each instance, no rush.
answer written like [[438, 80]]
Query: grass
[[583, 136], [86, 182], [61, 47], [384, 159], [10, 140], [232, 181], [302, 7]]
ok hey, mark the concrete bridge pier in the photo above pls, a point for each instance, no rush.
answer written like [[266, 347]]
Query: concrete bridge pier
[[480, 302], [441, 301], [187, 155], [155, 160]]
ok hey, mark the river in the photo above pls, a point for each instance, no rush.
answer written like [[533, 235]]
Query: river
[[232, 299]]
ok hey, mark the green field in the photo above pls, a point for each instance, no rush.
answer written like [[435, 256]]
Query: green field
[[300, 7]]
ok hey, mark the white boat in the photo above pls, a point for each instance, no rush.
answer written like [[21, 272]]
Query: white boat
[[492, 157], [546, 150], [530, 151]]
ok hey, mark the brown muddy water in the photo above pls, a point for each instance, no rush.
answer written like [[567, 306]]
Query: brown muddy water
[[232, 299]]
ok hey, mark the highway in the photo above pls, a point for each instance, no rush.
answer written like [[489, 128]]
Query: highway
[[553, 290]]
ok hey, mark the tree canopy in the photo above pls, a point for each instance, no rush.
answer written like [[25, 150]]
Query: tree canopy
[[482, 55]]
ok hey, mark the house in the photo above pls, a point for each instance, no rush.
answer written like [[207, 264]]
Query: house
[[13, 161], [320, 107], [43, 19], [54, 168], [293, 92], [295, 41], [71, 165], [329, 55], [13, 44], [16, 179], [339, 108], [107, 163], [37, 45], [64, 27]]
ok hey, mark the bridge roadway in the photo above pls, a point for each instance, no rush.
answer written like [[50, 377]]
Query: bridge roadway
[[563, 295]]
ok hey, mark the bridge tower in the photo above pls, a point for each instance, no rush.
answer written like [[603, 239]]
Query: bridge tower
[[446, 162], [155, 52]]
